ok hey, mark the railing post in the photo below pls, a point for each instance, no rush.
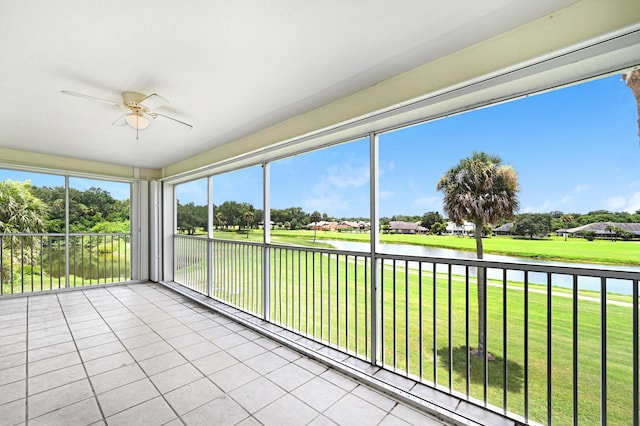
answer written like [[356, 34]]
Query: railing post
[[375, 237], [603, 351], [175, 254], [209, 236], [636, 354], [66, 231], [266, 261]]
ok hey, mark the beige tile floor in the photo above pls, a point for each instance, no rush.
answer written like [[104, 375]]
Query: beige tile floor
[[143, 354]]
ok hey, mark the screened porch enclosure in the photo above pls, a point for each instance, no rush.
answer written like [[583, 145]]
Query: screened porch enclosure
[[211, 292]]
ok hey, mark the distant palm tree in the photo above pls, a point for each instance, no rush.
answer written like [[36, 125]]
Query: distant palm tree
[[611, 230], [315, 218], [479, 189], [248, 216], [220, 219], [567, 219]]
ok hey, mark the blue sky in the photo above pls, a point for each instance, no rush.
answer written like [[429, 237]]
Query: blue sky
[[575, 150]]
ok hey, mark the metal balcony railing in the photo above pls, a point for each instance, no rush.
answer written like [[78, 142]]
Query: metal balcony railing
[[559, 353], [36, 262]]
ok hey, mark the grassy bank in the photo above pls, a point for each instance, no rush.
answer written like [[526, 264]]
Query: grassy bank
[[577, 250]]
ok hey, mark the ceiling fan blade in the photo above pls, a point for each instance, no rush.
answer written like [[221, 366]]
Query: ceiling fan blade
[[153, 101], [120, 121], [91, 98], [154, 115]]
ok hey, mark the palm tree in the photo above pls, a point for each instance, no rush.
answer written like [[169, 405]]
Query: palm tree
[[248, 216], [632, 79], [315, 218], [20, 212], [220, 219], [611, 230], [479, 189], [567, 219]]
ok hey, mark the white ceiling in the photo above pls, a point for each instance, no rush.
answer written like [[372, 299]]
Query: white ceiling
[[229, 68]]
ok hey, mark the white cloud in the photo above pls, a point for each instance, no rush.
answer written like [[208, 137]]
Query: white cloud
[[583, 187], [629, 204], [385, 195], [566, 199], [195, 192], [334, 190], [634, 203], [616, 203], [330, 203], [346, 175], [427, 202], [544, 207]]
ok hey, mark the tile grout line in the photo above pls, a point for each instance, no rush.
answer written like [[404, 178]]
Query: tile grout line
[[187, 304], [64, 315], [264, 376], [176, 350], [178, 416], [227, 394]]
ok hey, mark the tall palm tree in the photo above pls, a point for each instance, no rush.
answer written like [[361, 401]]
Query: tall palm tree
[[248, 216], [632, 79], [481, 190], [315, 218]]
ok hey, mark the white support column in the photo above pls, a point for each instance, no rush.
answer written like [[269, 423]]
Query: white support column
[[168, 230], [375, 241], [66, 231], [155, 230], [210, 236], [266, 272], [140, 230]]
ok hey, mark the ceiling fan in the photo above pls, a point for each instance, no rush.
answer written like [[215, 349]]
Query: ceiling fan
[[141, 108]]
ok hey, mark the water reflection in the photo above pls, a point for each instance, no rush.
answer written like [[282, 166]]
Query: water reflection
[[566, 281]]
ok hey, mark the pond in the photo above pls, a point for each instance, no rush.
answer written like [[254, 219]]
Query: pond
[[565, 281]]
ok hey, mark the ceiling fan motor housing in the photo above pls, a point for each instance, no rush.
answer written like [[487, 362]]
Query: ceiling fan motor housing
[[132, 99]]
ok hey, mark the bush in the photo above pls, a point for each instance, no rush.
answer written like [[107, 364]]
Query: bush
[[625, 235], [589, 235]]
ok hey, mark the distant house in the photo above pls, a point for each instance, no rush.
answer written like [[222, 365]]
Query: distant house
[[400, 227], [465, 229], [603, 229], [503, 229], [360, 225], [323, 225]]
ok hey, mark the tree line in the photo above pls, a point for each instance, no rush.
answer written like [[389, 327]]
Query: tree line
[[28, 208], [239, 215]]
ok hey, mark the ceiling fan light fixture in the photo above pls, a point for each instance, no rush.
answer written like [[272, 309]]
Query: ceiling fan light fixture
[[137, 121]]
